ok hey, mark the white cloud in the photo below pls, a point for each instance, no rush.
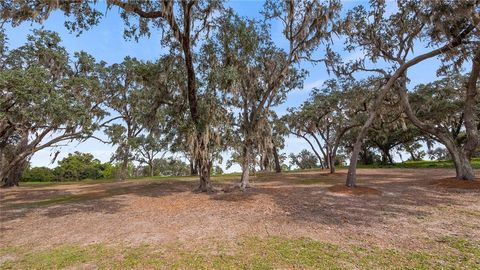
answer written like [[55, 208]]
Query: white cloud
[[314, 84]]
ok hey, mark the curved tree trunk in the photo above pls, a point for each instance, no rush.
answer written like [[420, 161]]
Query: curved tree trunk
[[463, 168], [312, 147], [352, 169], [460, 155]]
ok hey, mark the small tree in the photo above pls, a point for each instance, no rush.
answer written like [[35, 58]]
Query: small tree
[[304, 160], [147, 148], [329, 114]]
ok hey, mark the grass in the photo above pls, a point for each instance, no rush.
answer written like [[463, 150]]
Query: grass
[[235, 175], [247, 253], [218, 178], [423, 164]]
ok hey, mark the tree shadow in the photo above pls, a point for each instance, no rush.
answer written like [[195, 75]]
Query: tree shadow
[[56, 203], [403, 195]]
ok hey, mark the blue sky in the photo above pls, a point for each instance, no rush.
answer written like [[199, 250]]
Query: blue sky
[[106, 42]]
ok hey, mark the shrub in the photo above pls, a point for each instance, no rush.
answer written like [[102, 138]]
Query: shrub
[[41, 174]]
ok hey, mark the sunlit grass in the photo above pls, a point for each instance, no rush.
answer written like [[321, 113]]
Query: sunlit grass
[[247, 253], [447, 164]]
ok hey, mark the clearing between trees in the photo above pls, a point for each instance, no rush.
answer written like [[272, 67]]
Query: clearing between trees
[[405, 218]]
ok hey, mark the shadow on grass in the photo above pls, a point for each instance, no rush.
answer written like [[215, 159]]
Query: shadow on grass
[[303, 195], [56, 203]]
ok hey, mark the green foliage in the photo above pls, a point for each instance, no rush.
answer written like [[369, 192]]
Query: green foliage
[[47, 97], [78, 166], [425, 164], [38, 174], [216, 170], [166, 167], [304, 160]]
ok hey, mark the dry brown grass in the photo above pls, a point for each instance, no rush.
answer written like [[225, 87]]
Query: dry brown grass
[[358, 190], [453, 182]]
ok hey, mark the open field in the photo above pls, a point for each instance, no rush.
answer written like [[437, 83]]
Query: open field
[[291, 220]]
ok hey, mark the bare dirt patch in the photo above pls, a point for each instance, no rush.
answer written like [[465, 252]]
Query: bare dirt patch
[[453, 182], [358, 190], [410, 213]]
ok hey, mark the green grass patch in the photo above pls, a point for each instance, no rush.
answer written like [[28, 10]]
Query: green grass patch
[[248, 253], [422, 164], [218, 178]]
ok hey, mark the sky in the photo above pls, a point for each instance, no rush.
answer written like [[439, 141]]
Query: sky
[[105, 42]]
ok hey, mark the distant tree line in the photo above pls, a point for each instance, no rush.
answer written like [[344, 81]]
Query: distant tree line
[[80, 166]]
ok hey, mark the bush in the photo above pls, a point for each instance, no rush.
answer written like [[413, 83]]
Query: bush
[[40, 174], [78, 166]]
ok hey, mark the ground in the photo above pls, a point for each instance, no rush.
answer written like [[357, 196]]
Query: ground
[[402, 218]]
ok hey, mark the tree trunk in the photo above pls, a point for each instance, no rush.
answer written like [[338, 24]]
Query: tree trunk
[[463, 168], [245, 180], [278, 167], [390, 158], [13, 162], [203, 165], [332, 162], [386, 156], [151, 169], [266, 162], [412, 156], [14, 175], [205, 185], [193, 168], [352, 168], [123, 175]]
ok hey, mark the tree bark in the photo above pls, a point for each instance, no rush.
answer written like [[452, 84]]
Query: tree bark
[[203, 164], [193, 168], [15, 174], [463, 168], [151, 169], [471, 104], [245, 180], [123, 175], [332, 162], [278, 167], [266, 162], [13, 164]]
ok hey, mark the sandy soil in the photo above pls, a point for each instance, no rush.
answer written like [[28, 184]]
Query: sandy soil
[[407, 212]]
